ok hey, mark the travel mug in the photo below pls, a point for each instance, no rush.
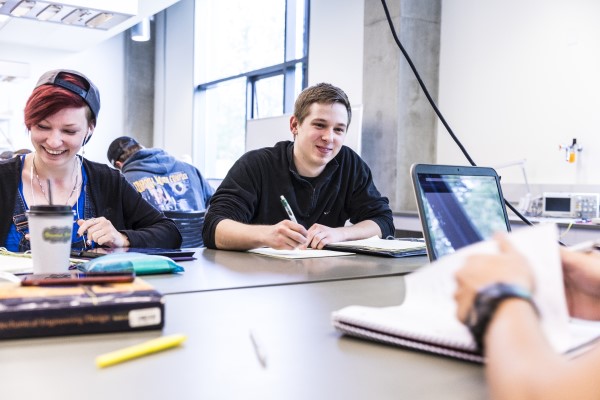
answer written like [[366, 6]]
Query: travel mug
[[50, 229]]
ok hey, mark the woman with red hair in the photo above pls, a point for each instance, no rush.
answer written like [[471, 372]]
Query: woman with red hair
[[61, 116]]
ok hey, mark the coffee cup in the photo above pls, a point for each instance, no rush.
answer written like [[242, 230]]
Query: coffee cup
[[50, 230]]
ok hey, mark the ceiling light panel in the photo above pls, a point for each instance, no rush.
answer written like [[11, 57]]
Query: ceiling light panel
[[99, 20], [67, 12], [47, 13], [76, 16], [22, 8]]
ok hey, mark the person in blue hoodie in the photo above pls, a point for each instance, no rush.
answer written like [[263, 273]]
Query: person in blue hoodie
[[167, 183]]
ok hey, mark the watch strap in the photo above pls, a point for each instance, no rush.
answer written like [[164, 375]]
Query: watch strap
[[486, 303]]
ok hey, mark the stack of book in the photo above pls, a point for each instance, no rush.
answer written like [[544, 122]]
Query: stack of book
[[36, 311]]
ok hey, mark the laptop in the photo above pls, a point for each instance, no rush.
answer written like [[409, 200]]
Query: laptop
[[458, 206]]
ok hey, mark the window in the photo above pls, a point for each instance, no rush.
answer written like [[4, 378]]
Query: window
[[251, 62]]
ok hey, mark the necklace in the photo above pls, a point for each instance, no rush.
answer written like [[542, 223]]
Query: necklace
[[37, 178]]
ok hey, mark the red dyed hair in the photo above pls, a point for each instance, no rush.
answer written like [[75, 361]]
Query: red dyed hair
[[47, 100]]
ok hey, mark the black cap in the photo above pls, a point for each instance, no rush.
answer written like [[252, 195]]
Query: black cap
[[90, 95], [118, 147]]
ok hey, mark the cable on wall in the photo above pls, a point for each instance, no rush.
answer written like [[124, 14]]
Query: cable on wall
[[435, 107]]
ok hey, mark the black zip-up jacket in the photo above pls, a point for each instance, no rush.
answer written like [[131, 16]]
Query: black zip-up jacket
[[112, 197], [250, 193]]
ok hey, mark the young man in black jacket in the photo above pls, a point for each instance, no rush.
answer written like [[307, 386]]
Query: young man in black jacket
[[324, 183]]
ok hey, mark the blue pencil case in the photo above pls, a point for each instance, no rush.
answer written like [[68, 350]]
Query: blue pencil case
[[141, 264]]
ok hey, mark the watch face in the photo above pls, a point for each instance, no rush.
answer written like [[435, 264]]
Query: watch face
[[486, 301]]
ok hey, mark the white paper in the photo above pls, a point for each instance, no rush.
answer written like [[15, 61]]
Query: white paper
[[297, 253], [21, 263], [16, 264]]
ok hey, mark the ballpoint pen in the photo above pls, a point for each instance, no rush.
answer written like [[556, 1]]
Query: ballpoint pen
[[142, 349], [288, 209], [585, 246]]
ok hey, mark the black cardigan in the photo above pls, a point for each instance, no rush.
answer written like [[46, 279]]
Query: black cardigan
[[250, 193], [112, 197]]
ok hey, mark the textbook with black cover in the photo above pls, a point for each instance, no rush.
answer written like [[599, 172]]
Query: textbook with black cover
[[36, 311], [426, 320]]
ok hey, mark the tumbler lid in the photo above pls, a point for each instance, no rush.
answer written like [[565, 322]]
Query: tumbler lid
[[50, 209]]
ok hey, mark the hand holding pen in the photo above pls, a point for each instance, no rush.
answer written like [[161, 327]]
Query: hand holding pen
[[287, 234], [101, 231], [317, 236], [581, 275]]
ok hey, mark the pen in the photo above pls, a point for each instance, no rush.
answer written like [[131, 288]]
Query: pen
[[585, 246], [288, 209], [138, 350], [258, 349]]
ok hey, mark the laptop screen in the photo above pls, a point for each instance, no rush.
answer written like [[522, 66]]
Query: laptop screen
[[457, 206]]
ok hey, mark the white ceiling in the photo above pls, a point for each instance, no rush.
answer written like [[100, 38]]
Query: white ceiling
[[49, 35]]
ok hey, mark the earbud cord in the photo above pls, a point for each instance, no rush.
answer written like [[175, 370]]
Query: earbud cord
[[33, 171], [31, 184], [434, 106]]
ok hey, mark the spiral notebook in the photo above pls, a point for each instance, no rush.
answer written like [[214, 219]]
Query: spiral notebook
[[426, 320]]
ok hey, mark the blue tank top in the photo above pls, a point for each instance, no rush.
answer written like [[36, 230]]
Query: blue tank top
[[14, 237]]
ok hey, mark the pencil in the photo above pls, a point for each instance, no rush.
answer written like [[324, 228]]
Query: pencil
[[259, 350], [139, 350]]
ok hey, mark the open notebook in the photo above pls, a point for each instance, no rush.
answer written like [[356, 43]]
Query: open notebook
[[426, 320]]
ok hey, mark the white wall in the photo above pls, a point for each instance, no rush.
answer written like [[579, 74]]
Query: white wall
[[103, 64], [518, 78], [336, 45], [265, 132]]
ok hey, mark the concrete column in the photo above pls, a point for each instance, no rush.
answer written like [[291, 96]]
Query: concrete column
[[139, 88], [399, 126]]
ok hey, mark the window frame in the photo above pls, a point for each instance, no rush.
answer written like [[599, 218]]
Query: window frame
[[287, 69]]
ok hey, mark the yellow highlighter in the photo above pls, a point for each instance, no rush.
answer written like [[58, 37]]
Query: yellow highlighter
[[139, 350]]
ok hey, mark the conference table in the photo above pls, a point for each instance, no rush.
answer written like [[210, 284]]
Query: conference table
[[217, 302], [220, 269]]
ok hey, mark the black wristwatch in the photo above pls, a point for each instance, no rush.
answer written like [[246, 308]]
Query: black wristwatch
[[486, 302]]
